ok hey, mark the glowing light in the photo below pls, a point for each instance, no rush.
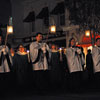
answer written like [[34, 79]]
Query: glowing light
[[60, 50], [90, 47], [53, 29], [87, 33], [9, 29], [27, 51]]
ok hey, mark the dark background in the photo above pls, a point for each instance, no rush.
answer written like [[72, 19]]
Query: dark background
[[5, 11]]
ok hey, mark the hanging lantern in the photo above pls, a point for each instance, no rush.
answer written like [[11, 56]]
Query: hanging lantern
[[53, 29], [9, 29], [10, 26]]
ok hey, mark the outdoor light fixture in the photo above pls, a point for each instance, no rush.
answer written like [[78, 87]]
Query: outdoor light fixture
[[87, 33], [9, 29], [10, 26], [53, 29]]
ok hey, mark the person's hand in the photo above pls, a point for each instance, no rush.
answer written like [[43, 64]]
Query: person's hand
[[4, 51], [43, 49]]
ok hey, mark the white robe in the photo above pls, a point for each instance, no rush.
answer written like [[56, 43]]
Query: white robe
[[4, 67], [74, 61], [34, 49], [96, 58]]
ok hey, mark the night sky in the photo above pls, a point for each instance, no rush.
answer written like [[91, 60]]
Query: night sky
[[5, 11]]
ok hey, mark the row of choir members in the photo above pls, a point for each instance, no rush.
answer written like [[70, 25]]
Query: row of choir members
[[44, 63], [76, 61], [47, 67]]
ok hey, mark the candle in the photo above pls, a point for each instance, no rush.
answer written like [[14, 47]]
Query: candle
[[60, 50]]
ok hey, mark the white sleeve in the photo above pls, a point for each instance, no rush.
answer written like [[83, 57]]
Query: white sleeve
[[70, 54], [33, 52], [96, 56]]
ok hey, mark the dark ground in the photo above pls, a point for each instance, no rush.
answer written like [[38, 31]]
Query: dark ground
[[86, 93]]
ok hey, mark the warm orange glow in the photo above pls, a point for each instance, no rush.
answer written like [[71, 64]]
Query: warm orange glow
[[53, 29], [9, 29], [86, 40], [87, 32]]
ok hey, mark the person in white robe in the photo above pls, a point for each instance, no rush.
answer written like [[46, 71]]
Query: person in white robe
[[5, 64], [75, 60], [96, 62], [39, 55]]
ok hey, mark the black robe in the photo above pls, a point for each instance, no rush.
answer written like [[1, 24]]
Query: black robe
[[55, 72], [22, 69]]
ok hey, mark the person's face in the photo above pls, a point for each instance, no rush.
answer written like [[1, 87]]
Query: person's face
[[39, 37], [21, 48], [73, 42], [98, 42], [53, 47]]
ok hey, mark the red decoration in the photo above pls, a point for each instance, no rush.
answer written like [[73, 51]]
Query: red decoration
[[86, 41]]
